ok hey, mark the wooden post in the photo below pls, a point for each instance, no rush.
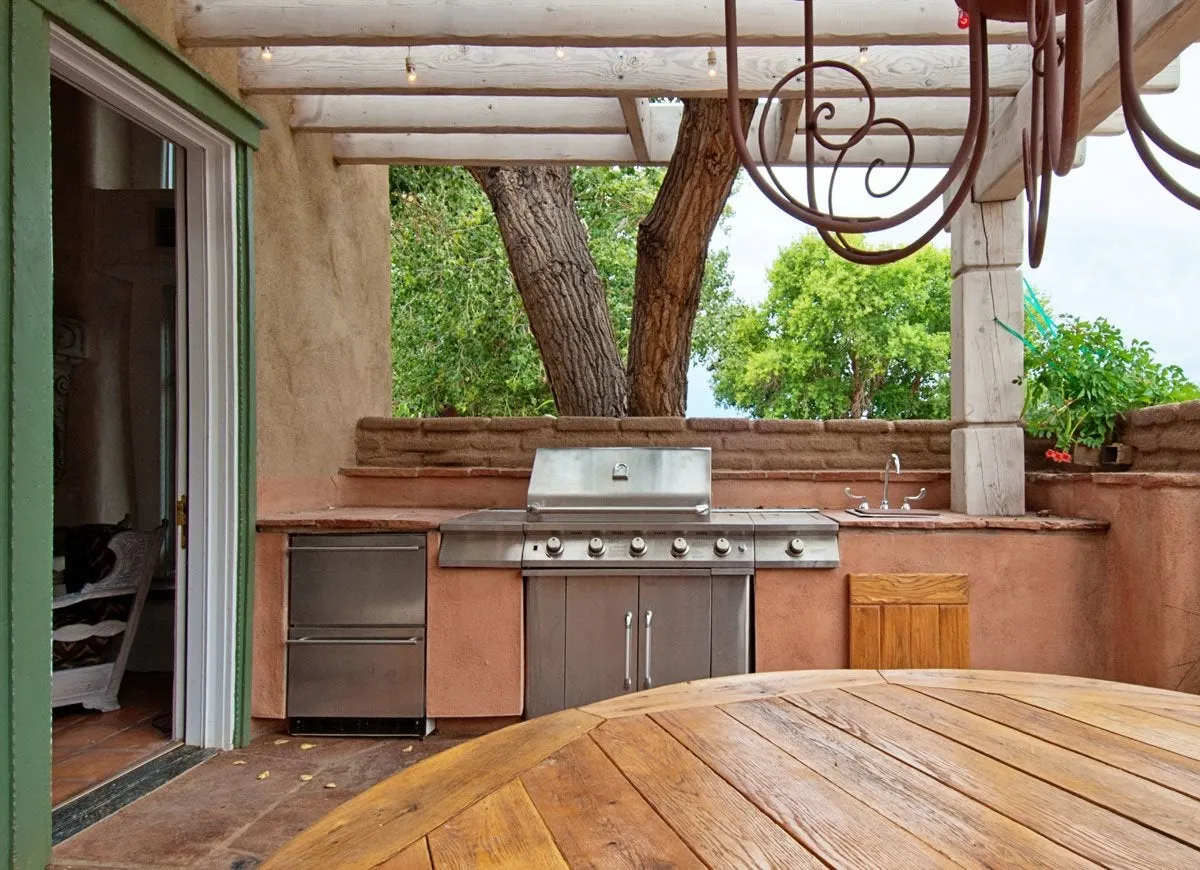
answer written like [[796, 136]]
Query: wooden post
[[986, 361]]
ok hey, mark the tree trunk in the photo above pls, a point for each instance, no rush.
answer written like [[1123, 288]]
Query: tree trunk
[[672, 251], [562, 294]]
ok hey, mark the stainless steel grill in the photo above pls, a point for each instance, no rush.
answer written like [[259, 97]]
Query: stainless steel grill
[[624, 507], [632, 579]]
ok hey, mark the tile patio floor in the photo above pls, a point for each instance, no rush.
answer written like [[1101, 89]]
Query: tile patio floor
[[220, 815], [91, 748]]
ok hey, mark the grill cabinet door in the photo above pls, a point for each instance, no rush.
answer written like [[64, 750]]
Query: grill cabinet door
[[601, 638], [674, 629]]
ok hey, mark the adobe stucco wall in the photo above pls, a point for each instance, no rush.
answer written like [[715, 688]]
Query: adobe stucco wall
[[1039, 601], [322, 285], [1152, 555], [737, 444], [1164, 438], [322, 296]]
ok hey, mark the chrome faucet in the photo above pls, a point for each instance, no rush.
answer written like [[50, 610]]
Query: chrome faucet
[[893, 459]]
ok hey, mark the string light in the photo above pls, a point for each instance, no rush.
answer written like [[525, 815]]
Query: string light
[[560, 52], [410, 68], [712, 63], [863, 55], [265, 53]]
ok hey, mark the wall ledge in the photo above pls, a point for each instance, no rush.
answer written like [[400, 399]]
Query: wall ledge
[[1143, 479], [947, 521]]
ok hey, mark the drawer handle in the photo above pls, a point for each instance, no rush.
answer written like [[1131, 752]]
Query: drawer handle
[[352, 641], [405, 549]]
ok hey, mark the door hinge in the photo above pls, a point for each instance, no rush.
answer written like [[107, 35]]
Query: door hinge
[[181, 520]]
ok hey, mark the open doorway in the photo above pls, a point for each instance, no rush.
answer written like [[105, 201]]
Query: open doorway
[[120, 454]]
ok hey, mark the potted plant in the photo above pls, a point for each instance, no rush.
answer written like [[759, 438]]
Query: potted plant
[[1081, 376]]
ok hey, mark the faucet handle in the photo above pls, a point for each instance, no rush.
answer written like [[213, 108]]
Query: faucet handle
[[862, 499], [909, 499]]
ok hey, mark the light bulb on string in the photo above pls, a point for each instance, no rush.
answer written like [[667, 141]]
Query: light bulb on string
[[265, 53], [712, 63], [410, 68], [863, 55]]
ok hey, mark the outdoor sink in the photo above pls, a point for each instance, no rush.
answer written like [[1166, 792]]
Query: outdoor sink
[[893, 513]]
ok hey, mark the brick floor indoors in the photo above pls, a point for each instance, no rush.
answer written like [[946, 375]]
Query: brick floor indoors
[[241, 806], [91, 748]]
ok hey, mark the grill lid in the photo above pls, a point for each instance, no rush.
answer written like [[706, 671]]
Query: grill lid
[[621, 480]]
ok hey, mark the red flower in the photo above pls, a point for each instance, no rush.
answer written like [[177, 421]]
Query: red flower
[[1058, 455]]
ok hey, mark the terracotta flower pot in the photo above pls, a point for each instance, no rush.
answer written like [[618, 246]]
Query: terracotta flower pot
[[1009, 10]]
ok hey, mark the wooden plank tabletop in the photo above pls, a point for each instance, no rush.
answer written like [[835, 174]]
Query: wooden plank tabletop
[[803, 769]]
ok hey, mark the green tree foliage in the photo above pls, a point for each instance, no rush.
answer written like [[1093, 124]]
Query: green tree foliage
[[834, 339], [460, 337], [1081, 376]]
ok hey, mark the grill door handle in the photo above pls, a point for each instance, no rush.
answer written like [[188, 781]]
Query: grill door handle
[[649, 617], [354, 641], [628, 650]]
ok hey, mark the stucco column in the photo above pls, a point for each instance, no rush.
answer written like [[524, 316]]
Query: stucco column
[[987, 466]]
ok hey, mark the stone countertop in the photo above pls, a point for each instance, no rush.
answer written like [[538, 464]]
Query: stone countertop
[[383, 519], [358, 519], [947, 521]]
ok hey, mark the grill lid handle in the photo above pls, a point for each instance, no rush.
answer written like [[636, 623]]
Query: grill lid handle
[[697, 509]]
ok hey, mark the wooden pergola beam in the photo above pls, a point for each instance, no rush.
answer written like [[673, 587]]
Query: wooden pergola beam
[[936, 70], [478, 149], [593, 23], [636, 114], [408, 113], [945, 116], [1162, 30], [374, 113]]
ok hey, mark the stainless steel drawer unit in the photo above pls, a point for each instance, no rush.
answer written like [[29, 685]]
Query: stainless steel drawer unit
[[356, 639]]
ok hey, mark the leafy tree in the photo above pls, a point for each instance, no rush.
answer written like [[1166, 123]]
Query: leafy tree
[[1081, 376], [460, 336], [834, 339]]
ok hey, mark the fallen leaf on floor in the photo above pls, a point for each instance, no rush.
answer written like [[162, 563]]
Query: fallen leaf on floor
[[240, 761], [281, 741], [308, 746], [264, 774], [331, 785], [407, 748], [305, 777]]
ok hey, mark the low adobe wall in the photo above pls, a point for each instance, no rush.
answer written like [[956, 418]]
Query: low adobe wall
[[1152, 556], [1164, 438], [737, 444]]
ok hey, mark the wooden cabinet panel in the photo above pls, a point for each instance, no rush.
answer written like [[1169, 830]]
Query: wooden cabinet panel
[[909, 621]]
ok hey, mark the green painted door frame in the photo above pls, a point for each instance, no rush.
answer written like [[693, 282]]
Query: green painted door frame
[[26, 377]]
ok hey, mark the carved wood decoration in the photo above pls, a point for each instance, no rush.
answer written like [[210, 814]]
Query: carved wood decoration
[[70, 348], [909, 621]]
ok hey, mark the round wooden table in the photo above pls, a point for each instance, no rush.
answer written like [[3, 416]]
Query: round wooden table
[[897, 769]]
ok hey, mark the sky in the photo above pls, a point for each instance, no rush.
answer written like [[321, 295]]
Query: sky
[[1119, 246]]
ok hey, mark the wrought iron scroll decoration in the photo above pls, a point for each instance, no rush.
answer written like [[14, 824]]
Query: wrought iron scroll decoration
[[1049, 142], [1142, 128], [832, 227]]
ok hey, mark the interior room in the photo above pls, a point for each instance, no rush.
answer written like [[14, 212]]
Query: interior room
[[116, 286]]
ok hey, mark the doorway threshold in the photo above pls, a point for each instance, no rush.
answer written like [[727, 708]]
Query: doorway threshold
[[104, 800]]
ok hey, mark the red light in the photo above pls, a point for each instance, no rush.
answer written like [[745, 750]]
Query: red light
[[964, 20]]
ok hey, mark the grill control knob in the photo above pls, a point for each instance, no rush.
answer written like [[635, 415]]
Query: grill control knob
[[721, 547], [795, 547], [637, 547], [679, 547], [554, 547], [596, 547]]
